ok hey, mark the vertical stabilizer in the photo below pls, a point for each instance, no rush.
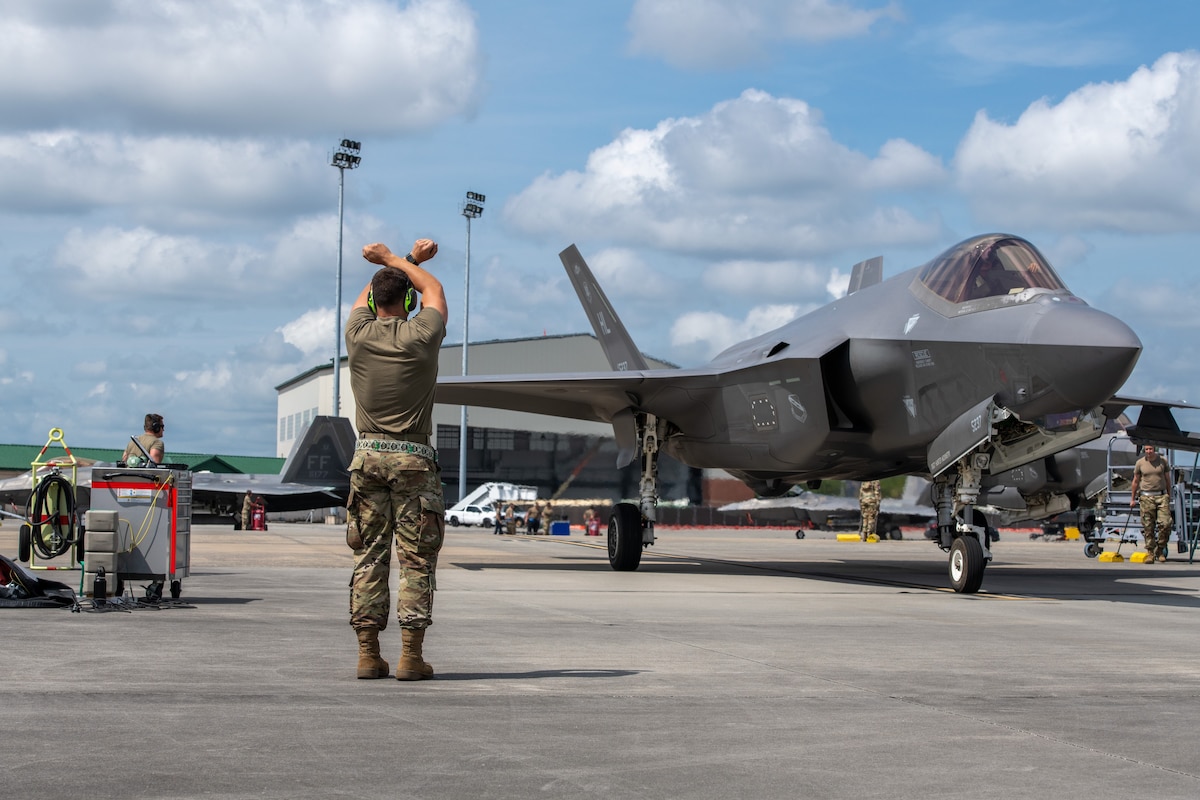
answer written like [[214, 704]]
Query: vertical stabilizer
[[865, 273], [618, 347], [321, 456]]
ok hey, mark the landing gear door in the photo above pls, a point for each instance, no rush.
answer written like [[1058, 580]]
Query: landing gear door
[[961, 436]]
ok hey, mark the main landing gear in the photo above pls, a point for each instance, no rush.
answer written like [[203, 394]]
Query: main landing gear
[[631, 527]]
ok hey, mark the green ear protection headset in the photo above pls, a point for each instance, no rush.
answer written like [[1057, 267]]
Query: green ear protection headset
[[410, 300]]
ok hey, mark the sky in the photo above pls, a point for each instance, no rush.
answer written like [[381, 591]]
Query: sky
[[169, 214]]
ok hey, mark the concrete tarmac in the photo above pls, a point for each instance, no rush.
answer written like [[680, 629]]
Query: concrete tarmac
[[733, 664]]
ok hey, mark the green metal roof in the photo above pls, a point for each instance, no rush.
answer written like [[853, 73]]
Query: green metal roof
[[19, 457]]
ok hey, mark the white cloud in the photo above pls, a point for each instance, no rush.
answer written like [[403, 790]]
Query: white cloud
[[311, 332], [292, 67], [754, 279], [716, 331], [142, 265], [1120, 156], [1170, 304], [209, 379], [176, 181], [624, 272], [990, 44], [145, 263], [838, 284], [719, 34], [756, 176]]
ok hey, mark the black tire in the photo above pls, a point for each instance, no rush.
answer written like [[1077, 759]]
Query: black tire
[[966, 564], [895, 533], [799, 534], [25, 544], [454, 521], [487, 523], [176, 589], [625, 537], [237, 522], [1091, 549]]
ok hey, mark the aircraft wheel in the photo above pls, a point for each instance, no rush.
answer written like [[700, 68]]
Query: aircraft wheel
[[25, 544], [896, 534], [799, 534], [176, 589], [625, 537], [966, 565], [1091, 549]]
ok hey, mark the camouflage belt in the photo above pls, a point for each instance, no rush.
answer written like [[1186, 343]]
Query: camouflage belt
[[390, 446]]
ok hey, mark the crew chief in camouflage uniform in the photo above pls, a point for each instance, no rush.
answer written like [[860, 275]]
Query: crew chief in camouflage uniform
[[868, 505], [395, 482], [1152, 492]]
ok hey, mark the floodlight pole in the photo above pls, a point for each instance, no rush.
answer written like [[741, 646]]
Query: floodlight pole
[[472, 209], [345, 157]]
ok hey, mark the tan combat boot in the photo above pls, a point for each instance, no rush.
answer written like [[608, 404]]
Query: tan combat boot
[[412, 667], [370, 665]]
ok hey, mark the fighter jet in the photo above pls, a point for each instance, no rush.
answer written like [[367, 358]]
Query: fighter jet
[[979, 361]]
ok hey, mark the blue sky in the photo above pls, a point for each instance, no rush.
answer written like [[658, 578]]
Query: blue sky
[[168, 215]]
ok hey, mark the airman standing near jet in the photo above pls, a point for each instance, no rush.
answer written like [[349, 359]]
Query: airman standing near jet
[[247, 510], [1152, 492], [547, 518], [868, 504], [395, 482]]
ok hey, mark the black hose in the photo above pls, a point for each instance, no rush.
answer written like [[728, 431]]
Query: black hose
[[51, 536]]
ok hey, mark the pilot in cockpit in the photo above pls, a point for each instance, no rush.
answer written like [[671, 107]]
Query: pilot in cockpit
[[990, 279]]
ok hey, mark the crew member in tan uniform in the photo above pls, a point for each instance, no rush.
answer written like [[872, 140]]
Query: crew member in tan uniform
[[395, 482], [1152, 492], [151, 441], [247, 509]]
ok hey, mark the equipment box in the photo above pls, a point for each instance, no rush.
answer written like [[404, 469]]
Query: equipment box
[[154, 527]]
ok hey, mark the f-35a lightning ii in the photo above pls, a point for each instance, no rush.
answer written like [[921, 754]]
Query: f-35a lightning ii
[[977, 362]]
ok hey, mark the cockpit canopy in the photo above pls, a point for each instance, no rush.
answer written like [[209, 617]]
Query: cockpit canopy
[[989, 266]]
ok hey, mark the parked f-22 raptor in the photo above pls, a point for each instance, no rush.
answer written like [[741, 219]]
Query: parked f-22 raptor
[[979, 361]]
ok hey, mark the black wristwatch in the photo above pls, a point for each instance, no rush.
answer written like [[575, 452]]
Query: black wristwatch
[[409, 258]]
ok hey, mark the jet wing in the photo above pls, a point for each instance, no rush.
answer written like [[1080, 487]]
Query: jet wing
[[281, 495], [595, 397], [686, 397], [810, 501]]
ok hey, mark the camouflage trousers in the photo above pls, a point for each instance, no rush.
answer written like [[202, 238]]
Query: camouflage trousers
[[1156, 522], [394, 495], [870, 514]]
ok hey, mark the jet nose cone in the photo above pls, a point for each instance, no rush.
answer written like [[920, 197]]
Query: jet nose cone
[[1097, 352]]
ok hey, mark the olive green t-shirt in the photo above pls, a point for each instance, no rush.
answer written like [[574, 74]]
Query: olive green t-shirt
[[148, 441], [1153, 475], [393, 370]]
